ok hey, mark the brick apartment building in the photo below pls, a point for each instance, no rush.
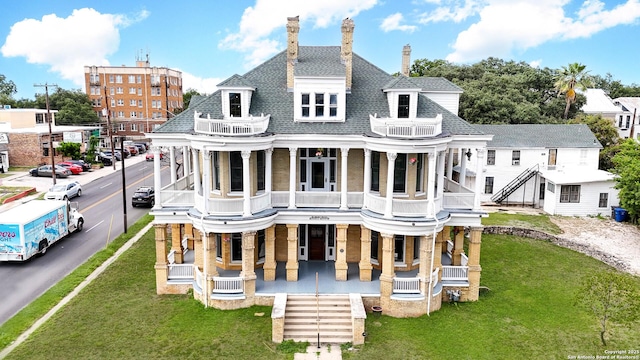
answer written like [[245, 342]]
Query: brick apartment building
[[138, 99]]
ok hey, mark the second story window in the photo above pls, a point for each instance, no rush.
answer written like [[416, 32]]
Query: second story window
[[235, 167], [260, 169], [375, 171], [320, 105], [403, 106], [333, 105], [400, 174], [305, 105], [515, 157], [491, 157], [235, 107]]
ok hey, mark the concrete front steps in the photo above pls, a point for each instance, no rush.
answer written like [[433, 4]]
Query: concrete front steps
[[300, 320]]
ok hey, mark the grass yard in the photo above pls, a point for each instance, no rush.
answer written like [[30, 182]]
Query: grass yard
[[536, 222], [529, 313]]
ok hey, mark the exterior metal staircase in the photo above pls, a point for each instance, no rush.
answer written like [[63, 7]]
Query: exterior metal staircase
[[516, 183], [328, 315]]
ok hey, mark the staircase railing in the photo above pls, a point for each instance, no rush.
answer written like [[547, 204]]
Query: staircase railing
[[515, 184]]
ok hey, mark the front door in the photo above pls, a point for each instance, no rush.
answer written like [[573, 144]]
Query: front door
[[319, 175], [316, 242]]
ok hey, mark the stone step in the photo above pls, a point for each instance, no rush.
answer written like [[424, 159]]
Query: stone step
[[301, 319], [312, 319]]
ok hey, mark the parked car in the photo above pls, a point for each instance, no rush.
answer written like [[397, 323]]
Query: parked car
[[149, 156], [108, 154], [141, 148], [105, 160], [85, 166], [75, 169], [133, 150], [64, 191], [145, 146], [46, 170], [143, 196]]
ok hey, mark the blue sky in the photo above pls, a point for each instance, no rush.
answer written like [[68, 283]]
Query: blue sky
[[50, 41]]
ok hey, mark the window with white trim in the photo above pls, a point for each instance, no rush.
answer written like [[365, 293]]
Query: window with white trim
[[132, 90], [133, 102], [488, 185], [416, 248], [120, 102], [121, 126], [491, 157], [235, 106], [119, 90], [118, 79], [570, 193], [400, 174], [236, 247], [133, 114], [235, 170], [374, 246], [515, 157], [134, 127], [603, 200], [260, 234], [403, 106], [419, 164], [218, 246], [399, 242]]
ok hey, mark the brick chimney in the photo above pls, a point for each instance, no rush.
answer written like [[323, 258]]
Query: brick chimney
[[346, 51], [293, 28], [406, 58]]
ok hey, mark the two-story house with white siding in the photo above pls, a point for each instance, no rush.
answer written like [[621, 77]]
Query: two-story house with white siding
[[628, 119], [318, 174], [548, 166]]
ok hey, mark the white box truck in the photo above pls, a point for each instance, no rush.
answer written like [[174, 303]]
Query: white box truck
[[30, 228]]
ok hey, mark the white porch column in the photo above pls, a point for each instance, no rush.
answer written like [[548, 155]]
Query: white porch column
[[206, 180], [431, 183], [450, 165], [246, 183], [292, 177], [186, 160], [268, 163], [463, 168], [157, 180], [344, 152], [440, 171], [479, 178], [172, 159], [367, 176], [391, 166], [197, 183]]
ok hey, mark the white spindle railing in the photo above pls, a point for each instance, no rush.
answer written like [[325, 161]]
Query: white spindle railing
[[464, 260], [185, 245], [455, 273], [181, 272], [450, 248], [171, 258], [417, 127], [260, 202], [199, 277], [228, 285], [406, 285], [434, 277], [231, 126], [458, 201]]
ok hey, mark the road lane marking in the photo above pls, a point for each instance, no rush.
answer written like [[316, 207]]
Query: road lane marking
[[104, 186], [94, 226], [116, 193]]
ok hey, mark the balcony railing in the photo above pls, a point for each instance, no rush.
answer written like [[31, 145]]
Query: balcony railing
[[400, 207], [228, 285], [408, 128], [180, 271], [406, 285], [455, 273], [231, 126]]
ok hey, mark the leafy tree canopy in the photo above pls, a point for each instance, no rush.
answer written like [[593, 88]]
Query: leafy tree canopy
[[627, 166]]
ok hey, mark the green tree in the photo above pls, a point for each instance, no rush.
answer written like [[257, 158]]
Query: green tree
[[612, 297], [186, 99], [7, 90], [74, 107], [606, 134], [68, 149], [627, 166], [568, 80]]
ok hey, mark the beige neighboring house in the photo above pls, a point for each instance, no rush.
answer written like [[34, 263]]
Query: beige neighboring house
[[24, 136]]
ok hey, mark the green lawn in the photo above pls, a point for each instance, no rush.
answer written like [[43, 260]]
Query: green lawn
[[527, 314], [536, 222]]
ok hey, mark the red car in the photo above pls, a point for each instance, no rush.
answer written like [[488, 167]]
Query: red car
[[149, 156], [74, 168]]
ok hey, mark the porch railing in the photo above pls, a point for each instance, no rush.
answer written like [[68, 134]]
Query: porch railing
[[455, 273], [180, 271], [231, 126], [416, 127], [306, 199], [406, 285], [199, 275], [228, 285]]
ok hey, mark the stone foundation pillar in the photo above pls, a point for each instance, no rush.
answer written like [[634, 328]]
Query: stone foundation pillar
[[292, 252], [248, 263], [198, 251], [388, 272], [458, 246], [162, 272], [188, 231], [176, 243], [270, 264], [365, 254], [475, 242], [341, 252], [209, 266], [425, 270], [437, 251]]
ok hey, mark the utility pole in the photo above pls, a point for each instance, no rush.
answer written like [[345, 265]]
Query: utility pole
[[46, 98], [109, 131]]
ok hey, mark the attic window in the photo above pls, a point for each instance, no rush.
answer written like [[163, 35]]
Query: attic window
[[235, 108], [323, 105], [403, 106]]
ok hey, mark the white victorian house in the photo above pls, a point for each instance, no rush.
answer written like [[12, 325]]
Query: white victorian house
[[318, 173]]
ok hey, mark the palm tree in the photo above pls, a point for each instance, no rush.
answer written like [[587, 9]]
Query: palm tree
[[569, 79]]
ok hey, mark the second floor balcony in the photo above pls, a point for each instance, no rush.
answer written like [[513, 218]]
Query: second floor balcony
[[235, 126], [406, 128]]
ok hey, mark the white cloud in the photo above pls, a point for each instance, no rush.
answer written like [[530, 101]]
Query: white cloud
[[261, 20], [66, 45], [535, 63], [392, 22], [452, 11], [202, 85], [505, 26]]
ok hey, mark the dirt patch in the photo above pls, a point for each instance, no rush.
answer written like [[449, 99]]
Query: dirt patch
[[616, 243]]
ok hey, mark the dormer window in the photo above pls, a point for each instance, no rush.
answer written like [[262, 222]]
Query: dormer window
[[319, 100], [235, 105], [403, 106], [324, 105]]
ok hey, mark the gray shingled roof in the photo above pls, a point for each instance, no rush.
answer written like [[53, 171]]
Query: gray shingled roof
[[236, 81], [540, 135], [271, 97]]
